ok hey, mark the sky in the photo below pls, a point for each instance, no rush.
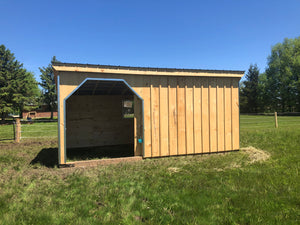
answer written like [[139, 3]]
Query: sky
[[215, 34]]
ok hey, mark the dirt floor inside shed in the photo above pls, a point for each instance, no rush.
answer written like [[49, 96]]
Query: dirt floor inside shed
[[100, 152]]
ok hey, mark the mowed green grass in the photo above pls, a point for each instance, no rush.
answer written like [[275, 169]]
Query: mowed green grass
[[6, 132], [268, 122], [39, 130], [202, 189], [35, 130]]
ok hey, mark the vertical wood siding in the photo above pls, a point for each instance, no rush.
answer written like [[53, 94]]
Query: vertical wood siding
[[191, 116], [205, 115], [182, 115], [147, 117], [164, 116]]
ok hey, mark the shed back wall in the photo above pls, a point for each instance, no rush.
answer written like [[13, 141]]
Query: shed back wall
[[97, 121], [182, 115]]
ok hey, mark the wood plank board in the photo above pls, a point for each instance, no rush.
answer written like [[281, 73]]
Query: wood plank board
[[189, 116], [220, 114], [213, 114], [205, 116], [181, 116], [147, 117], [173, 115], [228, 123], [138, 126], [197, 116], [155, 122], [235, 115], [136, 85], [164, 118]]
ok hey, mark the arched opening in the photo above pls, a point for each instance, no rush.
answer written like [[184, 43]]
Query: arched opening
[[101, 121]]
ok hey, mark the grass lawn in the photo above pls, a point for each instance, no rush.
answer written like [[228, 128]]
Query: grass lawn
[[39, 130], [6, 132], [233, 188], [34, 130]]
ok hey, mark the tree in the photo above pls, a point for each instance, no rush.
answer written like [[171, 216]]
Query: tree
[[263, 97], [48, 84], [283, 75], [250, 90], [18, 88]]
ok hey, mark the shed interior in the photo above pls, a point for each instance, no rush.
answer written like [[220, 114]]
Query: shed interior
[[99, 121]]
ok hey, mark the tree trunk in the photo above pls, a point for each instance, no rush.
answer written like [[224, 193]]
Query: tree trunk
[[51, 114], [21, 112], [2, 117]]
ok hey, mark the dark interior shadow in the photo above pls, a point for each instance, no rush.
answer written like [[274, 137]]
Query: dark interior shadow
[[112, 151], [49, 156]]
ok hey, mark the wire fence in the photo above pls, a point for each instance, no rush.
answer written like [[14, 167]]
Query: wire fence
[[34, 129], [47, 129], [7, 131], [39, 129], [284, 120]]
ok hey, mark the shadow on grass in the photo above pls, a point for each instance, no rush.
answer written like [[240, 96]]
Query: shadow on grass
[[46, 157], [49, 156]]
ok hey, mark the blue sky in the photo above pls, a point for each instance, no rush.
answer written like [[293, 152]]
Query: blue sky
[[228, 34]]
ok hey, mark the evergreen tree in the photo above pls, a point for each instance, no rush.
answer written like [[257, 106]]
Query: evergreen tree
[[250, 91], [18, 87], [263, 96], [48, 84]]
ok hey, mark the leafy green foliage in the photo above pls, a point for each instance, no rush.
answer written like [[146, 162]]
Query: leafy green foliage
[[278, 89], [18, 87], [250, 91], [283, 75], [49, 95]]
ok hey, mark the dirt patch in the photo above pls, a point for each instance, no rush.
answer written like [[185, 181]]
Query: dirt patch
[[255, 155], [251, 155]]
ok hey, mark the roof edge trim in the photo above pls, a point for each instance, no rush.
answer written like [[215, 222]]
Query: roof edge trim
[[74, 67]]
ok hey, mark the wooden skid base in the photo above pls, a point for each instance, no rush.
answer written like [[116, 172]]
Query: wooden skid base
[[89, 163]]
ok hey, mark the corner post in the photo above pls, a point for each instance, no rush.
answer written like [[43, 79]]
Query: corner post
[[276, 121], [18, 130], [61, 151]]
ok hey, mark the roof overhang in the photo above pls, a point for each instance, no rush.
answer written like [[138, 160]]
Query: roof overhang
[[88, 68]]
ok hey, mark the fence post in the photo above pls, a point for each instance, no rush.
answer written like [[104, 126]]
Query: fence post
[[276, 122], [18, 130]]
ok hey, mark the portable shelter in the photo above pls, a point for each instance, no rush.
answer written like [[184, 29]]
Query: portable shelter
[[175, 111]]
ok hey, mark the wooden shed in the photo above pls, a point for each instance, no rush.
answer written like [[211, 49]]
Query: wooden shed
[[157, 111]]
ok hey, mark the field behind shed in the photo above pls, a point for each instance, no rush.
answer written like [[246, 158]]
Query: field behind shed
[[257, 185]]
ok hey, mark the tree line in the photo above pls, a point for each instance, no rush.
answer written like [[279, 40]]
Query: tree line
[[278, 88], [20, 91]]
